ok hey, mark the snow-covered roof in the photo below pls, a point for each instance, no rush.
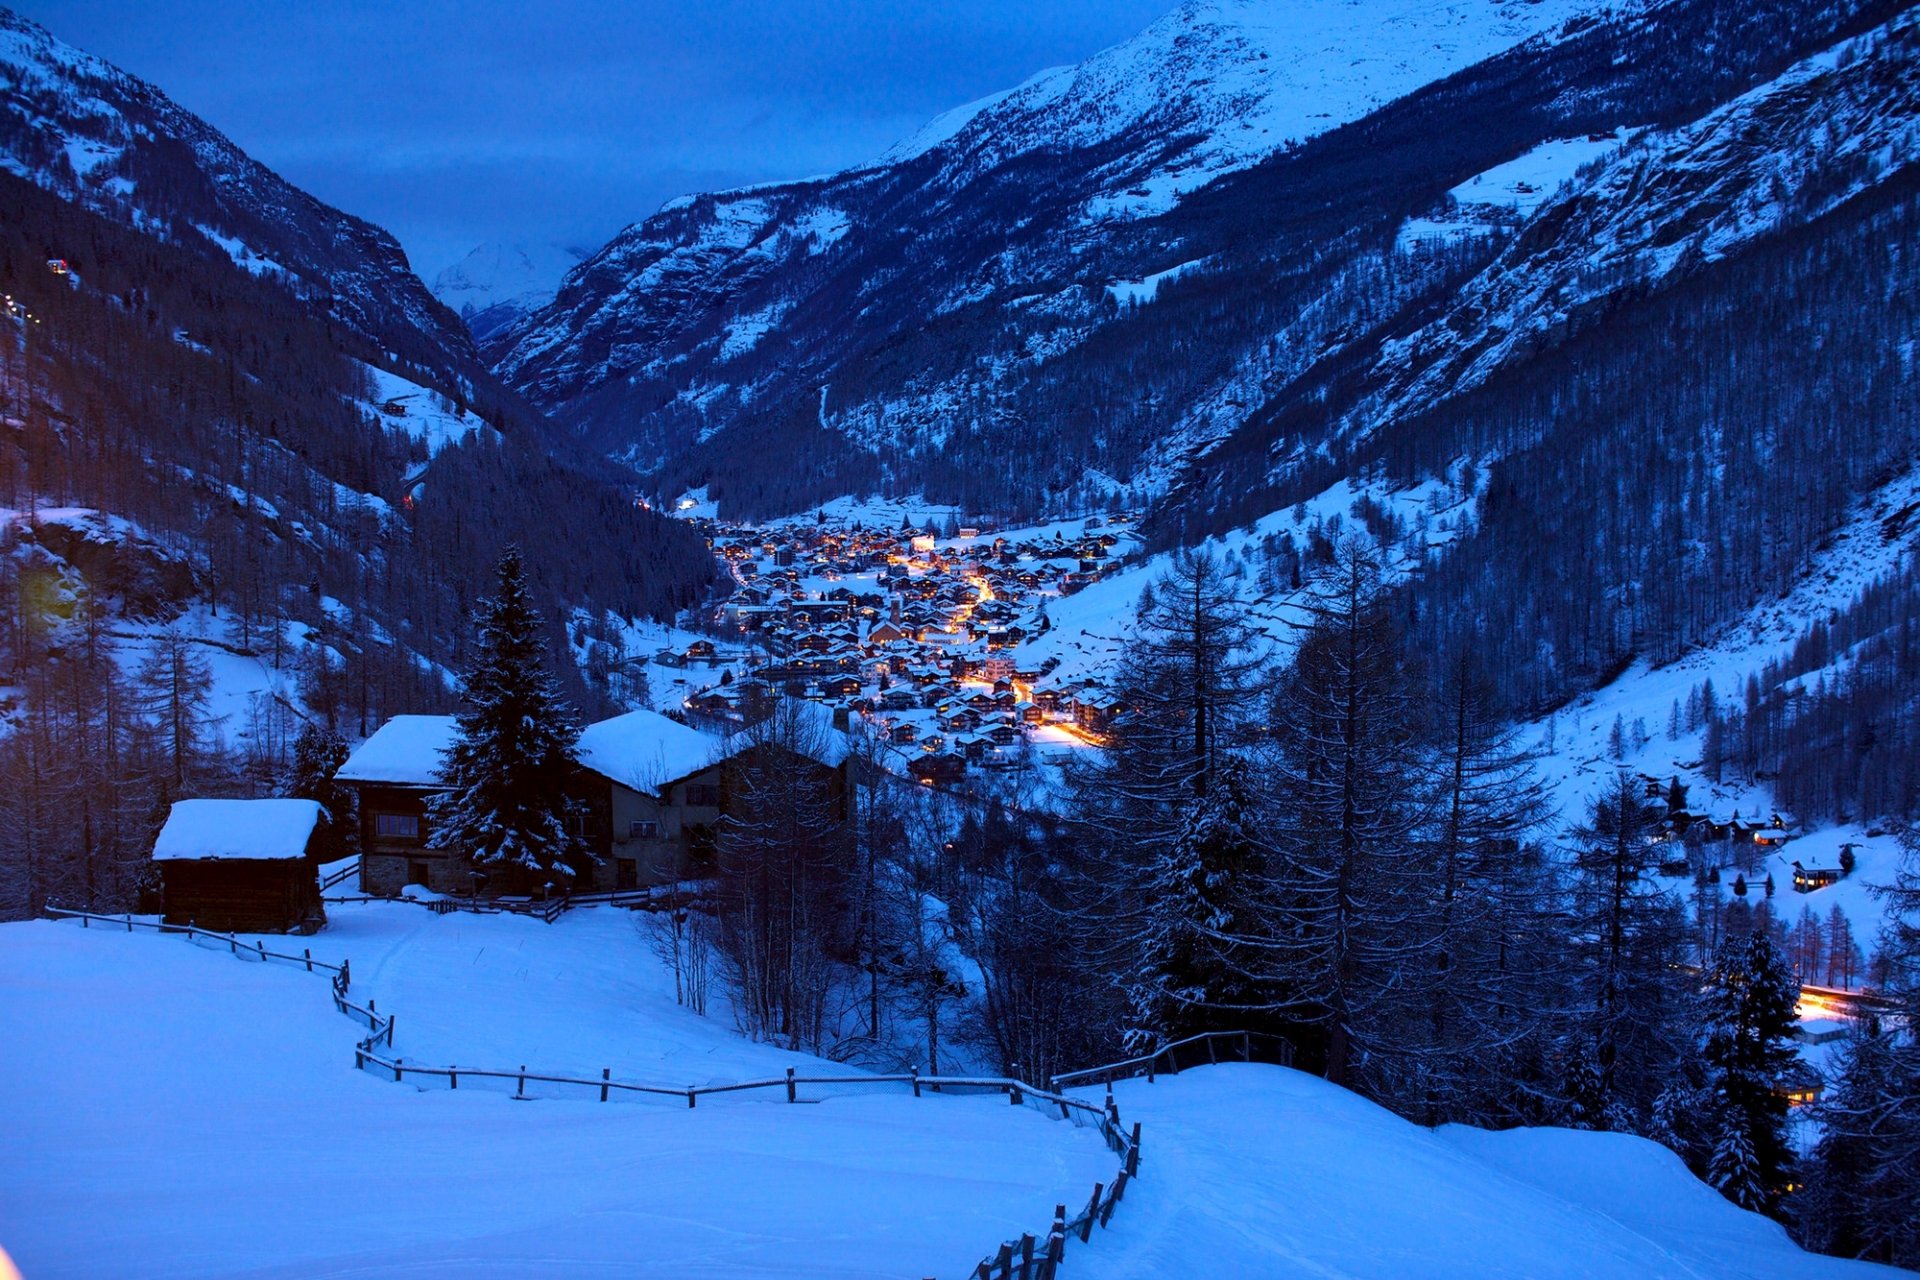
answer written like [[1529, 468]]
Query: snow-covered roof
[[245, 829], [643, 749], [406, 750]]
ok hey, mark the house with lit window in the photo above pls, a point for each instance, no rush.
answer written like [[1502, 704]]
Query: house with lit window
[[648, 797]]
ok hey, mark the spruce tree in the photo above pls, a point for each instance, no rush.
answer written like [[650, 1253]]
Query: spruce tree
[[1188, 978], [1746, 1048], [506, 773], [1862, 1194], [318, 754]]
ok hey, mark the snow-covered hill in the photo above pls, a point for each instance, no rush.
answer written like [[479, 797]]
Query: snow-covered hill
[[1084, 283], [173, 1110], [1262, 1171], [81, 128]]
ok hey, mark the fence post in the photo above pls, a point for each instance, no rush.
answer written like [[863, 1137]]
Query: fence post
[[916, 1079], [790, 1096], [1119, 1189], [521, 1090], [1212, 1057], [605, 1074], [1026, 1256], [1004, 1260], [1013, 1091], [308, 952], [233, 945], [692, 1097], [453, 1076], [346, 979], [129, 922], [263, 951], [390, 1021], [1093, 1211], [359, 1059], [396, 1073], [1057, 1238], [1133, 1152], [1246, 1046]]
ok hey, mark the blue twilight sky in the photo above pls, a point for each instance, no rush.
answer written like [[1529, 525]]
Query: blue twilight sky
[[452, 123]]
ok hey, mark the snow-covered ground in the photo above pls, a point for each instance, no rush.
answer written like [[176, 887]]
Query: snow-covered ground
[[174, 1112], [419, 411], [1574, 743], [1250, 1170]]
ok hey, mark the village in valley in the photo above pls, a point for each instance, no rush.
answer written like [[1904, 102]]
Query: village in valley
[[923, 633]]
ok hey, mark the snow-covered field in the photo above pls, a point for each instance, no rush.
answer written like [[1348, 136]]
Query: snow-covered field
[[174, 1112], [1250, 1170]]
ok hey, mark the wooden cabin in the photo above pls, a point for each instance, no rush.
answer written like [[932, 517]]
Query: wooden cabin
[[241, 866]]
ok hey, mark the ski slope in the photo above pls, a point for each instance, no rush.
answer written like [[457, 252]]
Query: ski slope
[[174, 1112]]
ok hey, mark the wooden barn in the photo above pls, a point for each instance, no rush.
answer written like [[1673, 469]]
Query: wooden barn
[[241, 866]]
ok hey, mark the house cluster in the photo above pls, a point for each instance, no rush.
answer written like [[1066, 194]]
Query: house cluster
[[649, 796], [925, 639]]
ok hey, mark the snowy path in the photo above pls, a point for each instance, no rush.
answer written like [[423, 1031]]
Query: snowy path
[[1260, 1171], [171, 1112]]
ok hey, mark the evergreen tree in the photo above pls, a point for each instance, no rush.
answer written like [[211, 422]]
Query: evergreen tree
[[1189, 979], [1349, 912], [506, 773], [1747, 1050], [1859, 1202], [318, 754], [1628, 938], [1493, 905]]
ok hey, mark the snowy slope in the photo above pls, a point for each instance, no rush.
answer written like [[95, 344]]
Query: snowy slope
[[1231, 82], [89, 132], [174, 1112], [1262, 1171], [496, 284], [1778, 156], [1030, 184]]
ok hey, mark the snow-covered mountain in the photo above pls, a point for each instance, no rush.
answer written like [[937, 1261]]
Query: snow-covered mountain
[[496, 283], [81, 128], [1079, 285]]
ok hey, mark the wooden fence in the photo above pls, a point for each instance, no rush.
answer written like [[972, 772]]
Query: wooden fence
[[1206, 1049], [657, 898], [1029, 1257]]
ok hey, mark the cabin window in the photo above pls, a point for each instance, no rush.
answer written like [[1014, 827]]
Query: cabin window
[[396, 826], [703, 795], [643, 831]]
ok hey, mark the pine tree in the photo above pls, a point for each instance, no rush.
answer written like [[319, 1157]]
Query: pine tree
[[1747, 1050], [1734, 1168], [1348, 903], [507, 771], [1862, 1198], [1188, 979], [318, 754], [1493, 908], [1628, 938]]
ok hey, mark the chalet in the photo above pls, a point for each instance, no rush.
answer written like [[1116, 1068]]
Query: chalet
[[648, 791], [1770, 837], [937, 770], [1095, 712], [241, 866], [840, 686], [1807, 879], [899, 699], [904, 732]]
